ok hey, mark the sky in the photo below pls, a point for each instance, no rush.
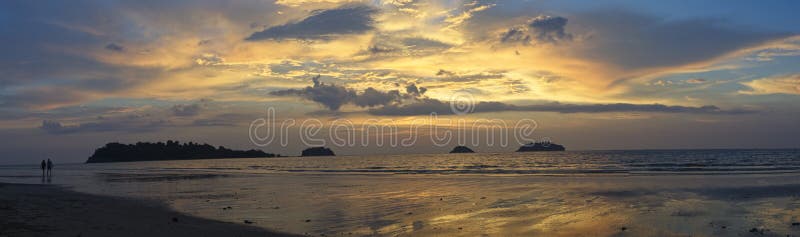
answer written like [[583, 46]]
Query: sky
[[75, 75]]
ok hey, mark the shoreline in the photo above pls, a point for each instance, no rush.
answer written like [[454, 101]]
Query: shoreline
[[48, 210]]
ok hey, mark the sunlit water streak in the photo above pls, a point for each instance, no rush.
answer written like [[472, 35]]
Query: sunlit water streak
[[596, 193]]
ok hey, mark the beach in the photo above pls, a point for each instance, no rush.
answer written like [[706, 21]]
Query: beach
[[599, 193], [46, 210]]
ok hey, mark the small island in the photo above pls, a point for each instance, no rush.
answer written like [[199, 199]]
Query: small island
[[171, 150], [461, 149], [317, 151], [541, 146]]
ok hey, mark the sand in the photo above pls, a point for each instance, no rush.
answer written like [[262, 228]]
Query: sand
[[47, 210]]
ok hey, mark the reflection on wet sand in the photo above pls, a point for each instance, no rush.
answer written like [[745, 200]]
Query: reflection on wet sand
[[422, 205]]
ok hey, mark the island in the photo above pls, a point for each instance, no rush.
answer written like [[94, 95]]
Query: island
[[461, 149], [317, 151], [541, 146], [171, 150]]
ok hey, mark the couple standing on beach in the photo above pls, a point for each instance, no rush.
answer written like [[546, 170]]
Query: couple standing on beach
[[48, 166]]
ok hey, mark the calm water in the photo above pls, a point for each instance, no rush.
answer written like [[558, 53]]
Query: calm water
[[605, 193]]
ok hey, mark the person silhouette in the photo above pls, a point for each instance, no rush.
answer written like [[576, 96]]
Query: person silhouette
[[49, 167], [44, 166]]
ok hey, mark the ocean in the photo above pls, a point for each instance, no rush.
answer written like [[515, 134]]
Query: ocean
[[595, 193]]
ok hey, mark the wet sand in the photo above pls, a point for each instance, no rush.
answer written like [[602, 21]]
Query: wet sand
[[47, 210]]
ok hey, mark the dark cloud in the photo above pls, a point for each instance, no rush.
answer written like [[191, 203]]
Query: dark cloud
[[443, 72], [427, 106], [414, 90], [381, 49], [57, 113], [69, 92], [515, 35], [632, 40], [549, 28], [330, 96], [424, 43], [204, 42], [313, 67], [450, 76], [115, 47], [41, 98], [223, 120], [212, 122], [333, 96], [372, 97], [183, 110], [391, 103], [189, 110], [392, 45], [424, 106], [322, 24], [209, 60], [127, 124], [541, 29], [44, 62]]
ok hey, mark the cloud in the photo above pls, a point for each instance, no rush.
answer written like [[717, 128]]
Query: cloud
[[295, 3], [788, 48], [54, 94], [450, 76], [381, 49], [223, 120], [62, 112], [322, 24], [186, 110], [542, 29], [127, 124], [394, 45], [391, 103], [549, 28], [42, 98], [424, 43], [291, 67], [115, 47], [414, 90], [785, 84], [209, 59], [189, 110], [333, 96], [427, 106], [769, 55], [515, 35], [696, 81], [330, 96], [372, 97], [468, 10], [635, 41]]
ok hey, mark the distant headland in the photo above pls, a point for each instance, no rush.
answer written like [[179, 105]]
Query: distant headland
[[541, 146], [317, 151], [171, 150], [462, 149]]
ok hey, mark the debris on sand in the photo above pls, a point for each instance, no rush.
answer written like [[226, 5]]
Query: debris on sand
[[757, 231]]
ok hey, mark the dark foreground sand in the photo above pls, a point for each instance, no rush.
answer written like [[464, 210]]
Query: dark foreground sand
[[45, 210]]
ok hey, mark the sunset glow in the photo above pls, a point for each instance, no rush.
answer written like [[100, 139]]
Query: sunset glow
[[621, 75]]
